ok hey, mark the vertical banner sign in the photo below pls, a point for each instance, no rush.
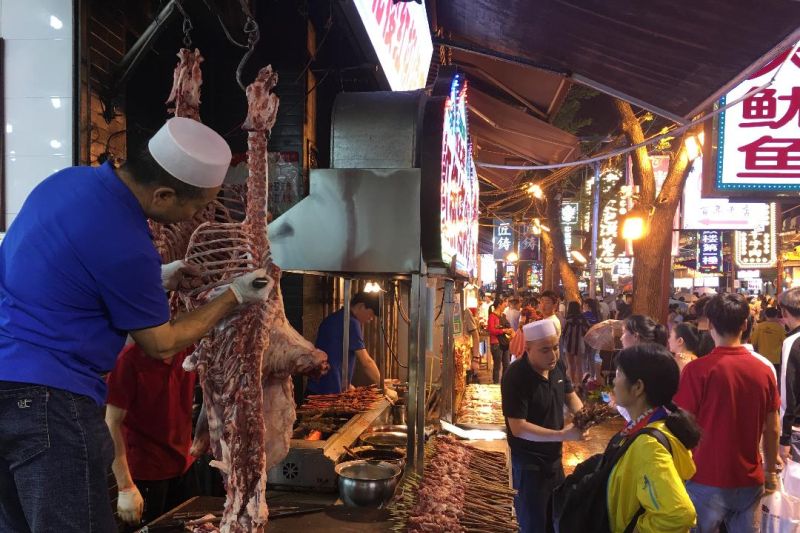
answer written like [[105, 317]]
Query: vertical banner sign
[[759, 140], [709, 252], [459, 185], [529, 246], [569, 219], [503, 238], [608, 236], [757, 248]]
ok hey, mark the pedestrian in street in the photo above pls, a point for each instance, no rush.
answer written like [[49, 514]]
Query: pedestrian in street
[[684, 340], [789, 302], [641, 328], [646, 487], [548, 305], [624, 306], [499, 338], [701, 321], [768, 337], [513, 312], [735, 400], [534, 392], [575, 327], [78, 274], [746, 342], [591, 311]]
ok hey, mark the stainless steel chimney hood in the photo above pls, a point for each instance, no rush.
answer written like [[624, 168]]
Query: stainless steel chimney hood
[[363, 215]]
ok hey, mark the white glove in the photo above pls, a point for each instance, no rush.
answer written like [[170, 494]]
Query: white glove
[[130, 505], [244, 291], [171, 274]]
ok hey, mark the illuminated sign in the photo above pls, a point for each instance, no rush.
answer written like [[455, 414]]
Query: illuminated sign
[[569, 219], [718, 213], [709, 252], [607, 242], [529, 246], [757, 248], [759, 140], [401, 37], [748, 274], [503, 239], [459, 186]]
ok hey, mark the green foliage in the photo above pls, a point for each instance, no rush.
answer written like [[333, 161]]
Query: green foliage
[[567, 116]]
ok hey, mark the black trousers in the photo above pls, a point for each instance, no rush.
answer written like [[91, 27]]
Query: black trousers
[[163, 495], [534, 487], [500, 357]]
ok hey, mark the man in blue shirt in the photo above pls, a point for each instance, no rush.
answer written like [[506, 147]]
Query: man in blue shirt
[[364, 307], [78, 273]]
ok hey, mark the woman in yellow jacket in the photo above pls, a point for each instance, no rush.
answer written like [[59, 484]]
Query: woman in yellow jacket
[[647, 483]]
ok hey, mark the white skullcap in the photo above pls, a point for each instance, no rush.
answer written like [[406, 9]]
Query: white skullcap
[[192, 152], [539, 330]]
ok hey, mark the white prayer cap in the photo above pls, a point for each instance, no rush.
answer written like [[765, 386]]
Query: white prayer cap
[[539, 330], [192, 152]]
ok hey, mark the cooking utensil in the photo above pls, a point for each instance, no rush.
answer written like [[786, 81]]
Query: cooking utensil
[[385, 436], [367, 483]]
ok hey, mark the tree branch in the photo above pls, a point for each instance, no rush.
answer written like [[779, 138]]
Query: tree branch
[[641, 160]]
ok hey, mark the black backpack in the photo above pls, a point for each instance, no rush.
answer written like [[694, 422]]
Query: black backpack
[[579, 504]]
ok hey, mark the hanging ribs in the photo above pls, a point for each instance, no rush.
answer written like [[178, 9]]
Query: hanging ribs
[[245, 363]]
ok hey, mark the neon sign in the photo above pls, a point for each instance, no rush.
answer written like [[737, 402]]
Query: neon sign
[[709, 251], [757, 248], [459, 185], [401, 38]]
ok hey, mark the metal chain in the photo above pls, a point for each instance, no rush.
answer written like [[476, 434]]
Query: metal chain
[[187, 26], [253, 35]]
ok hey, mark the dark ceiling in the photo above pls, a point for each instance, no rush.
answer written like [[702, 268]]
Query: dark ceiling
[[672, 57]]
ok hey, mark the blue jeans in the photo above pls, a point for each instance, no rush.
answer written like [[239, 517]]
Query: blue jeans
[[534, 487], [739, 509], [55, 456]]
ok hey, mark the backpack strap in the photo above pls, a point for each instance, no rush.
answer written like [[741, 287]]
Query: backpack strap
[[664, 441]]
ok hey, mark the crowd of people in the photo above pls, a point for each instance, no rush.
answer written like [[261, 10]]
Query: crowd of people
[[711, 403]]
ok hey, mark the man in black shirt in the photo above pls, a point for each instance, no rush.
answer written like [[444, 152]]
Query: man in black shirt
[[534, 390], [789, 302]]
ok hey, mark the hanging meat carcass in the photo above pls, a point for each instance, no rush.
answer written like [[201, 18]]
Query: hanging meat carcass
[[245, 364]]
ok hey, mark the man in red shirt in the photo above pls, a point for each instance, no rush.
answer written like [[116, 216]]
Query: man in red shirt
[[735, 400], [149, 414]]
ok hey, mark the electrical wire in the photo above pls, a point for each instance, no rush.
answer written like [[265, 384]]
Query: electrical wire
[[651, 140], [391, 351]]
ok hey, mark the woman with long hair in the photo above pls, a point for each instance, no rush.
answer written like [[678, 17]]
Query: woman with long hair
[[641, 328], [646, 486], [591, 311], [684, 340], [575, 327], [499, 338]]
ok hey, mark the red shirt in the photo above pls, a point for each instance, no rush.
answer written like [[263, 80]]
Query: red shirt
[[158, 425], [494, 328], [730, 393]]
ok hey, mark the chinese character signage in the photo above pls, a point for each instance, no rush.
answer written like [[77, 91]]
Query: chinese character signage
[[529, 246], [718, 213], [569, 220], [709, 252], [459, 185], [756, 248], [401, 37], [608, 247], [758, 152], [503, 239]]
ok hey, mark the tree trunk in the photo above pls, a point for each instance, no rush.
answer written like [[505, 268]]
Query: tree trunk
[[652, 254], [549, 282]]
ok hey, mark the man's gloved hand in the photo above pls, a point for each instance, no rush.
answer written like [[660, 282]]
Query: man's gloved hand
[[244, 290], [130, 505], [172, 274]]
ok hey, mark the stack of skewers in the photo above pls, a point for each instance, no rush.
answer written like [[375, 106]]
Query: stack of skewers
[[350, 402], [462, 490]]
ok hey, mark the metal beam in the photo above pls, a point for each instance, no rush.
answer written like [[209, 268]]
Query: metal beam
[[346, 335], [415, 395], [448, 354]]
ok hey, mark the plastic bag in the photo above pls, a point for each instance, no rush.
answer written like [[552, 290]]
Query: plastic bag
[[791, 478], [517, 345], [780, 512]]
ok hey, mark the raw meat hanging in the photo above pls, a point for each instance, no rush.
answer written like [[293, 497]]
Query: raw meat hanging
[[245, 364]]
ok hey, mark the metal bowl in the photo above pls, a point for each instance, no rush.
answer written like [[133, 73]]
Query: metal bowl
[[367, 483], [394, 456], [385, 436]]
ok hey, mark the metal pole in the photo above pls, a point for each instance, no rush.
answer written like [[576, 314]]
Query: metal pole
[[346, 336], [448, 354], [381, 355], [779, 248], [595, 231], [413, 373]]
